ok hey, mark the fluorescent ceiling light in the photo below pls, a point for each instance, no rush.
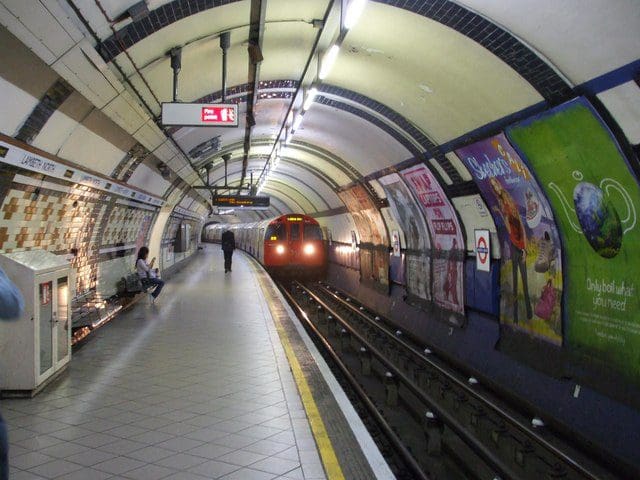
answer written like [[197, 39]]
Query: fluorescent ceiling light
[[311, 95], [328, 60], [354, 10]]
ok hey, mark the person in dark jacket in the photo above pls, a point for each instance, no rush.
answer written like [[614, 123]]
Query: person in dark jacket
[[11, 307], [228, 245]]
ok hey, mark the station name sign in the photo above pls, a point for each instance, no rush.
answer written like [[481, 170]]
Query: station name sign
[[200, 114], [240, 201], [28, 160]]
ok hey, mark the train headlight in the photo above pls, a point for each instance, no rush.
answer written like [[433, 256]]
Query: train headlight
[[280, 249], [309, 249]]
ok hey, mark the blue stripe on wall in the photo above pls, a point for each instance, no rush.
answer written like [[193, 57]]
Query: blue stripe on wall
[[610, 80]]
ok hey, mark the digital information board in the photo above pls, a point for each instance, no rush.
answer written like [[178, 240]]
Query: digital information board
[[240, 201]]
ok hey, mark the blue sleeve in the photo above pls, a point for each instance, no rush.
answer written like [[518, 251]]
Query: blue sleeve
[[11, 301]]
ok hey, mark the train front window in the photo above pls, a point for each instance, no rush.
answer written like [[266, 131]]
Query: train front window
[[295, 231], [312, 232], [276, 231]]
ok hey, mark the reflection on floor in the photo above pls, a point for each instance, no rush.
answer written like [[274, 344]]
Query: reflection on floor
[[187, 388]]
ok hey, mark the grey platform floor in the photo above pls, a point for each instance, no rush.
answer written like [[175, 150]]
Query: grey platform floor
[[194, 387]]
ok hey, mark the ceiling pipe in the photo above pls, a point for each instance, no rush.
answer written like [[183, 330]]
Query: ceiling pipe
[[226, 157], [225, 43], [176, 64], [92, 32], [257, 16], [283, 127]]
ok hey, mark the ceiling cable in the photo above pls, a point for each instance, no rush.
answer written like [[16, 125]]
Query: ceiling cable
[[93, 33]]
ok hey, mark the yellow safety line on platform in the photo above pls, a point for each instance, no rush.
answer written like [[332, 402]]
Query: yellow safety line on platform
[[325, 447]]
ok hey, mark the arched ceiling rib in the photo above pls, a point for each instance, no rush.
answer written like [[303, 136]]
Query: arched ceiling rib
[[296, 188], [381, 114], [480, 29], [411, 79]]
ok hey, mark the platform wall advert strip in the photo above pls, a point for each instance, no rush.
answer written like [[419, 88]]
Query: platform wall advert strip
[[531, 265], [374, 263], [407, 213], [448, 243], [594, 196]]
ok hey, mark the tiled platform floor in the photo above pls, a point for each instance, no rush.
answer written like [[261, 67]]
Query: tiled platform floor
[[194, 387]]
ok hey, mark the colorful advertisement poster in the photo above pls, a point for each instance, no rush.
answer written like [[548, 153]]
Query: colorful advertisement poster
[[408, 215], [595, 197], [531, 266], [374, 254], [446, 235]]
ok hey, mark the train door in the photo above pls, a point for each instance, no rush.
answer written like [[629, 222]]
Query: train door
[[294, 242]]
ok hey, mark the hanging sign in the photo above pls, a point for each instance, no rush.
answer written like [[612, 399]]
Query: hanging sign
[[200, 114], [483, 256], [240, 201]]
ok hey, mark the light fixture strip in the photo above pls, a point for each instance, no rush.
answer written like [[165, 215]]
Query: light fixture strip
[[311, 95], [297, 122], [354, 11], [328, 60]]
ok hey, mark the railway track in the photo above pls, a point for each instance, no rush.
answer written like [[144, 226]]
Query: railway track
[[439, 422]]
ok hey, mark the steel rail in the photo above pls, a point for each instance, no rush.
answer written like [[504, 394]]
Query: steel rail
[[473, 443], [373, 410], [467, 389]]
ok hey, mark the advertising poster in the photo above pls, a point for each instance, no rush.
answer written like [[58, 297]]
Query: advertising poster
[[446, 235], [374, 256], [595, 197], [408, 215], [531, 266]]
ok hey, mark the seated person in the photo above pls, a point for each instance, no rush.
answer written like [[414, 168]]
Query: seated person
[[147, 274]]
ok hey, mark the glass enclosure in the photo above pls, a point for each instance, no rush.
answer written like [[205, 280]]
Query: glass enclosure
[[46, 322], [276, 231], [63, 319]]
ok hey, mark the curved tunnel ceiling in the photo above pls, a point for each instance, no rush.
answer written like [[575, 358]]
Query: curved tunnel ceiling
[[411, 81]]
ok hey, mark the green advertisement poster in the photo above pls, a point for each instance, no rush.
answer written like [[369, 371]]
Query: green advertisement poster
[[594, 196]]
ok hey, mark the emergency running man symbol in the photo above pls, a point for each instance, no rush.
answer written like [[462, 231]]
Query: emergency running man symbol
[[218, 114]]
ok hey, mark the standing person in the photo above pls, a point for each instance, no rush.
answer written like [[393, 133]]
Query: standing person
[[228, 245], [146, 272], [11, 306]]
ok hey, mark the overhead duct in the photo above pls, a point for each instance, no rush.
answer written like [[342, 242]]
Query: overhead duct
[[176, 65], [225, 42]]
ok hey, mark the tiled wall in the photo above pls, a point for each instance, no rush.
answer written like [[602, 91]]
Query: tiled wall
[[89, 227], [169, 256]]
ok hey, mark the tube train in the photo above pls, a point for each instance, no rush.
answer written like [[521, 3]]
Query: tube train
[[290, 244]]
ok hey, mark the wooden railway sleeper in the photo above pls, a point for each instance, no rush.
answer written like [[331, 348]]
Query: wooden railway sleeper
[[345, 340], [391, 389], [557, 471], [522, 452], [433, 430], [365, 361]]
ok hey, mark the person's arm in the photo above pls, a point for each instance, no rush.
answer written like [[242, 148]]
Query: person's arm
[[143, 265], [11, 301], [152, 262]]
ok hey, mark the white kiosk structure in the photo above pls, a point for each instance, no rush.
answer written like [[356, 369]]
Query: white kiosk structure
[[37, 347]]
